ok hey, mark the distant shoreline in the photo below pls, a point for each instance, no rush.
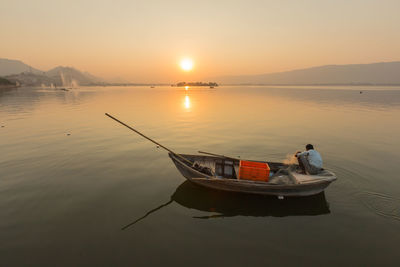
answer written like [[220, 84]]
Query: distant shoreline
[[311, 84], [8, 86], [253, 84]]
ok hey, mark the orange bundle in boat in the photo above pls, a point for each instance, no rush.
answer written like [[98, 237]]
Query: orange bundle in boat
[[251, 170]]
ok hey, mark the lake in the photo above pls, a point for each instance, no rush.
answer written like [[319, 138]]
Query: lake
[[75, 186]]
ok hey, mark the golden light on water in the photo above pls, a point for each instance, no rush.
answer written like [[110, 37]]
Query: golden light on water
[[187, 102], [186, 87], [187, 64]]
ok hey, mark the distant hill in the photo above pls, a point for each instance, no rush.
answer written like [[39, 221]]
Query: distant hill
[[69, 76], [17, 71], [10, 66], [375, 73], [31, 79]]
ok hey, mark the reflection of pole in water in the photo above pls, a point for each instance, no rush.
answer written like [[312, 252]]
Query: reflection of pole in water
[[147, 214], [226, 204]]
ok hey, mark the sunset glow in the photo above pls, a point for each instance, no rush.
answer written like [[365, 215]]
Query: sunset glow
[[234, 38]]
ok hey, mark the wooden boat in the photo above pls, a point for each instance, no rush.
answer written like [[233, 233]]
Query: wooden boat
[[205, 171], [286, 181]]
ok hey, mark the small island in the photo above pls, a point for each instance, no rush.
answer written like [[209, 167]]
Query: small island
[[209, 84]]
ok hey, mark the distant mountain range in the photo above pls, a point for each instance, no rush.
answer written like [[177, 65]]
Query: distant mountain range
[[68, 75], [10, 66], [17, 71], [385, 73]]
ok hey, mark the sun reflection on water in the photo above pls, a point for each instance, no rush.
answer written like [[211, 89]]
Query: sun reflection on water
[[187, 102]]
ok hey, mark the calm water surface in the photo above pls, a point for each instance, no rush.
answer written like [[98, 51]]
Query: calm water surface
[[71, 179]]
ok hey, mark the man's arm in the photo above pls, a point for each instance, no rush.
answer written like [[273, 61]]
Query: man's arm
[[298, 153]]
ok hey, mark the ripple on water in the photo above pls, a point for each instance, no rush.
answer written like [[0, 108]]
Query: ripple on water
[[381, 204], [363, 186]]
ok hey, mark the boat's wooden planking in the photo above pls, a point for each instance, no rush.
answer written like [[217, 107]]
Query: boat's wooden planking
[[304, 188]]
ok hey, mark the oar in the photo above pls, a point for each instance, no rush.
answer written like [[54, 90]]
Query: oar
[[221, 156], [151, 140]]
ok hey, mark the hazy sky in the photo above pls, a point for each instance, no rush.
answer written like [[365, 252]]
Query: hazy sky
[[143, 41]]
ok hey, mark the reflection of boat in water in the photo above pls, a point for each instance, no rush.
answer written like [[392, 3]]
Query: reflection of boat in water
[[223, 173], [228, 204]]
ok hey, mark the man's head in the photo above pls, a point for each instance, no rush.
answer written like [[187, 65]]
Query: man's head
[[309, 146]]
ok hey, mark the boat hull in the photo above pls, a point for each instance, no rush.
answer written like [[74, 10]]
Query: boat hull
[[249, 187]]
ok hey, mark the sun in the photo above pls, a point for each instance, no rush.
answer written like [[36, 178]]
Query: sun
[[187, 64]]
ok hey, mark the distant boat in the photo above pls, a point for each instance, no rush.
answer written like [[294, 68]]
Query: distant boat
[[151, 86]]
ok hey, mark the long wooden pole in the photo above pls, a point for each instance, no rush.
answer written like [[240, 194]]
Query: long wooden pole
[[148, 138], [212, 154]]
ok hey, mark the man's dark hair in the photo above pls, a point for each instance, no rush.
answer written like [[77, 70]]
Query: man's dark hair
[[309, 146]]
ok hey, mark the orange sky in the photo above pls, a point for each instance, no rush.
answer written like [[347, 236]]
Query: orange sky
[[143, 41]]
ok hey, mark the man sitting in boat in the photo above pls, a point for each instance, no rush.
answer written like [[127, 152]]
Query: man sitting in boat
[[310, 161]]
